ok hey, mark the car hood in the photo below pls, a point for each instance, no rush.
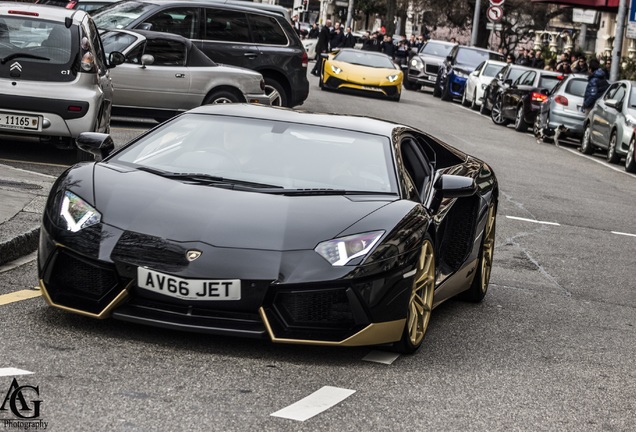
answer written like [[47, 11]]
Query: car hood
[[146, 203], [356, 72], [426, 58]]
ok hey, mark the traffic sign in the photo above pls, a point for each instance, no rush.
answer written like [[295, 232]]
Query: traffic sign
[[497, 2], [493, 26], [494, 13]]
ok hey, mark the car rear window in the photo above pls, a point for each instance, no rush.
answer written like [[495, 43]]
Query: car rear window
[[576, 87], [548, 82], [491, 70], [32, 48]]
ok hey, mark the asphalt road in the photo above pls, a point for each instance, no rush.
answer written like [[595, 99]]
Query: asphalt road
[[552, 347]]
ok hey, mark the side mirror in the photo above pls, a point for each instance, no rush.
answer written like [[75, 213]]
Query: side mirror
[[449, 58], [115, 58], [324, 55], [145, 26], [147, 59], [454, 186], [98, 144], [508, 82], [613, 103], [474, 73]]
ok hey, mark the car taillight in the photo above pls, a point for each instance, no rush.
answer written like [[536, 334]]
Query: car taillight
[[561, 100], [305, 60], [538, 97], [71, 5], [17, 12], [88, 59]]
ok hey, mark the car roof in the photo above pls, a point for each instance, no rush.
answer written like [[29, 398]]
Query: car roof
[[337, 121], [46, 12], [465, 47], [243, 5], [441, 42]]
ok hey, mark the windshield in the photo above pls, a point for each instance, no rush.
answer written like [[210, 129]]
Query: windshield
[[472, 58], [492, 70], [436, 49], [277, 154], [120, 15], [364, 59]]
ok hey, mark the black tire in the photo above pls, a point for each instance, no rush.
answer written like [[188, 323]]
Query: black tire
[[496, 114], [630, 158], [409, 85], [436, 91], [520, 122], [473, 103], [276, 92], [586, 146], [221, 97], [422, 295], [464, 100], [479, 286], [612, 157]]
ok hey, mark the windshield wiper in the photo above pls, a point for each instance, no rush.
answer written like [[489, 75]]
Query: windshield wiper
[[25, 55], [207, 178], [325, 191]]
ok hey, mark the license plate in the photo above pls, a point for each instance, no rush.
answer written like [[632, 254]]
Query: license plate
[[372, 88], [19, 121], [188, 289], [432, 78]]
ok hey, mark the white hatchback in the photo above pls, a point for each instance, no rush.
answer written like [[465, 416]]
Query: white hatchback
[[54, 80], [478, 80]]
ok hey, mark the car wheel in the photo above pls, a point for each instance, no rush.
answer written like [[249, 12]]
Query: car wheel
[[520, 122], [496, 115], [630, 158], [586, 146], [276, 93], [612, 157], [446, 96], [408, 85], [420, 305], [220, 97], [473, 103], [436, 91], [464, 100], [479, 287]]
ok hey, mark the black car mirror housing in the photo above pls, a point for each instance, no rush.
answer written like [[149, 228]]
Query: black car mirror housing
[[115, 58], [99, 145], [454, 186]]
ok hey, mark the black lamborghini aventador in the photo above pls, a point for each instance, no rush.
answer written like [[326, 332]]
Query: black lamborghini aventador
[[265, 222]]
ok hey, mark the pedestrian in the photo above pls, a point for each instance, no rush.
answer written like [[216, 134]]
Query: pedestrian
[[313, 32], [580, 66], [537, 60], [296, 24], [521, 57], [349, 41], [551, 66], [510, 58], [453, 40], [387, 46], [563, 65], [337, 37], [401, 53], [596, 86], [322, 46], [608, 67]]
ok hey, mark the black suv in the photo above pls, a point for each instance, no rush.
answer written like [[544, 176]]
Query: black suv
[[230, 34]]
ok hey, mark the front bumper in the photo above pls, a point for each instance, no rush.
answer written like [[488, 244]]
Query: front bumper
[[351, 306], [389, 91], [457, 85], [427, 76]]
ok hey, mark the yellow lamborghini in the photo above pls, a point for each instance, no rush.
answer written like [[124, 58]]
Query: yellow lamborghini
[[361, 72]]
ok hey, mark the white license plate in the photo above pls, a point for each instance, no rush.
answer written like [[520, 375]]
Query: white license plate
[[18, 121], [189, 289], [375, 89], [432, 78]]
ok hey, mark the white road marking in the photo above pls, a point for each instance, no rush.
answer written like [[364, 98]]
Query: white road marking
[[624, 234], [533, 221], [605, 164], [19, 262], [317, 402], [13, 371], [34, 163], [381, 357]]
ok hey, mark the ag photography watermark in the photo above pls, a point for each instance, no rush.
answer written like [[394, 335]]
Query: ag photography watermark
[[20, 408]]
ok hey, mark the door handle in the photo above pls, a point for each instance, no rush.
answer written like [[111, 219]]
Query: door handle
[[179, 75], [250, 55]]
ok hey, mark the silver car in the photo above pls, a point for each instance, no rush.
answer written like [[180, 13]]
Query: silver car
[[561, 112], [609, 126], [423, 66], [165, 74], [54, 74]]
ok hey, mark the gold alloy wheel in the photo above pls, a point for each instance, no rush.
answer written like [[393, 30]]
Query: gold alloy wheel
[[421, 302], [488, 249]]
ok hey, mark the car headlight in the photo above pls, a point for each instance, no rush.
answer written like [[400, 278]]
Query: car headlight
[[392, 78], [342, 250], [417, 63], [336, 69], [77, 213], [460, 74]]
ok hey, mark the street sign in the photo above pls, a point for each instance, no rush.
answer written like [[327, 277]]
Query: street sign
[[497, 2], [493, 26], [494, 13]]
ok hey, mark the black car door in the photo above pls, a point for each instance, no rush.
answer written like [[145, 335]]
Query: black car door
[[514, 95], [226, 38]]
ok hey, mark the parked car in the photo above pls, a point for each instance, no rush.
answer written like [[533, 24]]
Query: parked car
[[424, 66], [54, 74], [295, 227], [562, 109], [495, 87], [478, 80], [452, 74], [521, 101], [238, 34], [165, 74], [366, 72], [609, 126], [89, 6]]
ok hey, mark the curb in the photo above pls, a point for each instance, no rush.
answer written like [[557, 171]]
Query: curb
[[24, 238]]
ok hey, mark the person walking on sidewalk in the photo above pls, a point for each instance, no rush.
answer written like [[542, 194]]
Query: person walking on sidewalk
[[322, 46]]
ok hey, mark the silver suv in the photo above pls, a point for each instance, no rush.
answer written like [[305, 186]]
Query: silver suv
[[54, 81]]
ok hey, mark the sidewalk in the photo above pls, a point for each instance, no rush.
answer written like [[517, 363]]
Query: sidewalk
[[23, 196]]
